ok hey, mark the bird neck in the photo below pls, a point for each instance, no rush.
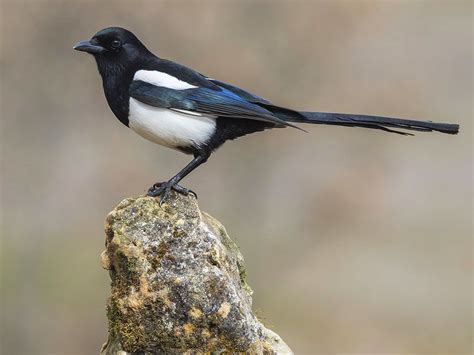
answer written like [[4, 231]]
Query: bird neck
[[116, 80]]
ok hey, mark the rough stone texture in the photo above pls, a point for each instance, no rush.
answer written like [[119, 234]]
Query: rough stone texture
[[178, 283]]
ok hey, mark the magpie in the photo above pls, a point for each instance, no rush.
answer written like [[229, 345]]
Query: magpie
[[179, 108]]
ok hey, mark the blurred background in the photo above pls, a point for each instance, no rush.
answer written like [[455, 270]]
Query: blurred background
[[356, 241]]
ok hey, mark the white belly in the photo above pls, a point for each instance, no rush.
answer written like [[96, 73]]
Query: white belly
[[169, 128]]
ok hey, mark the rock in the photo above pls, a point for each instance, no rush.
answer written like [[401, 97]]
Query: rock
[[178, 283]]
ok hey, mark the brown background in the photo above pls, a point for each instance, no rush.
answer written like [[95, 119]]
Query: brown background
[[356, 241]]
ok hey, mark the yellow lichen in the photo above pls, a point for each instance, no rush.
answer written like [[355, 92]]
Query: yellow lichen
[[188, 328], [178, 281], [134, 301], [179, 223], [144, 290], [224, 310], [163, 294], [131, 251], [105, 261], [195, 312], [136, 298]]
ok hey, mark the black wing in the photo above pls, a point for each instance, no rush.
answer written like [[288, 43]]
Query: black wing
[[203, 100]]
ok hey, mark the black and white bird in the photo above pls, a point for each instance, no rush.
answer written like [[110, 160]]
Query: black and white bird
[[177, 107]]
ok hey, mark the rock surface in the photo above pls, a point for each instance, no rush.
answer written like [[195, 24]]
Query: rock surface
[[178, 283]]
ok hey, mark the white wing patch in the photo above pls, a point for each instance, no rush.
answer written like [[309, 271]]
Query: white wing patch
[[162, 79], [193, 113], [168, 127]]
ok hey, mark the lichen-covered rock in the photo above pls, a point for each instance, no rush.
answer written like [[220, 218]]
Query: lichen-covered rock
[[178, 283]]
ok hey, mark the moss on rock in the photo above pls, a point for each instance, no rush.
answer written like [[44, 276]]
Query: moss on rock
[[178, 283]]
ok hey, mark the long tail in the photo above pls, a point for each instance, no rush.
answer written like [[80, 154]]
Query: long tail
[[378, 122], [352, 120]]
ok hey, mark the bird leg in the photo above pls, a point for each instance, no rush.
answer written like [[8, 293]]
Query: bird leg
[[164, 188]]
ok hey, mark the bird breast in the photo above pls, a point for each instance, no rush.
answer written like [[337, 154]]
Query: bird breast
[[172, 129]]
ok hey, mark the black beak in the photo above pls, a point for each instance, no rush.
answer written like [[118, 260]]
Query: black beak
[[87, 46]]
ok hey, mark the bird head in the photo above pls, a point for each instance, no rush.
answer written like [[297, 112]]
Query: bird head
[[114, 47]]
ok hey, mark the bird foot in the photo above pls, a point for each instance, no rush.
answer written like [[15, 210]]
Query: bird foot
[[164, 189]]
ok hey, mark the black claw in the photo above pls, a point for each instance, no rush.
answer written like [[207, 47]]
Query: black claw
[[156, 189], [183, 190], [164, 188], [164, 196]]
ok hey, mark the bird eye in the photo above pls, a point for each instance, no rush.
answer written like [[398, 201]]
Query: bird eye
[[116, 44]]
